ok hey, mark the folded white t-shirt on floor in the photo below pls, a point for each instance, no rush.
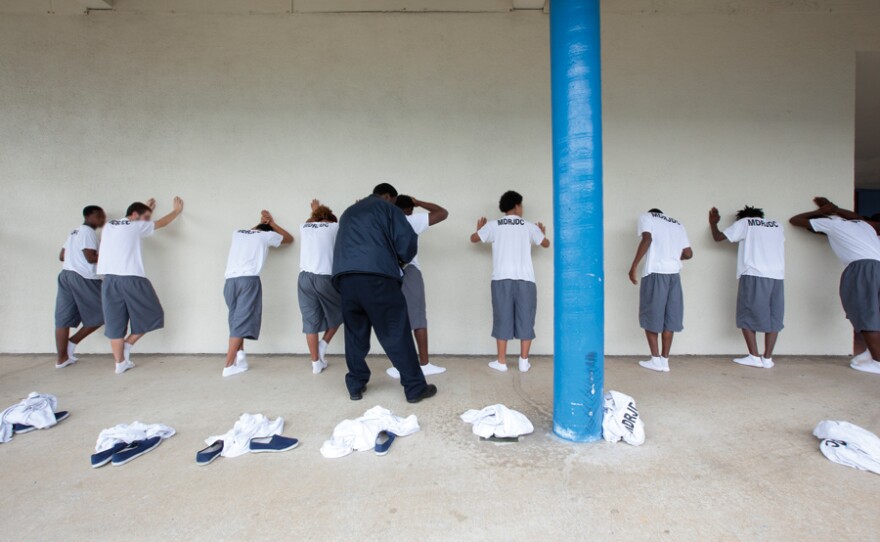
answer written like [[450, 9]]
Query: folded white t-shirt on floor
[[499, 421]]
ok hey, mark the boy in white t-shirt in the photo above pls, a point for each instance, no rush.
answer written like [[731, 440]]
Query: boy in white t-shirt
[[856, 244], [514, 293], [127, 296], [243, 290], [664, 244], [79, 287], [414, 283], [760, 270]]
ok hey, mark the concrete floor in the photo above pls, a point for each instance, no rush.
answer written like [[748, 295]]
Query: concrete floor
[[729, 456]]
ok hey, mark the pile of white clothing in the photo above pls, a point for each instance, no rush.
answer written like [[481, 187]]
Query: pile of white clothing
[[360, 434], [37, 410], [498, 421], [237, 440], [849, 445], [621, 419], [131, 432]]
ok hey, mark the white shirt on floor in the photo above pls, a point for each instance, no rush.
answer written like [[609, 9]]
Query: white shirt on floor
[[668, 240], [851, 240], [121, 247], [237, 440], [316, 241], [761, 247], [420, 224], [131, 432], [82, 238], [248, 252], [512, 238], [360, 434], [37, 410], [499, 421], [849, 445]]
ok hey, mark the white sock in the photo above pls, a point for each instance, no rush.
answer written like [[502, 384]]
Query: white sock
[[872, 367], [318, 366], [233, 370], [665, 362], [767, 362], [123, 366], [393, 372], [498, 366], [71, 350], [126, 351], [656, 364], [750, 361], [241, 359], [524, 365], [430, 369], [322, 351], [864, 357]]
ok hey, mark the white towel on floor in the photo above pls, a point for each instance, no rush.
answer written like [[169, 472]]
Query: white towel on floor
[[38, 410], [621, 419], [498, 420], [360, 434], [850, 445], [237, 440], [131, 432]]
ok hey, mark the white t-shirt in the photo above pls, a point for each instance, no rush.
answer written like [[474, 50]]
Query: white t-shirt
[[121, 247], [512, 238], [420, 224], [83, 237], [851, 240], [668, 239], [316, 241], [248, 252], [761, 250]]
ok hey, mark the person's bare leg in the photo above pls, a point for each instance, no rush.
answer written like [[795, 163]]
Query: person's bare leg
[[752, 341], [235, 344], [118, 347], [502, 351], [83, 333], [328, 335], [132, 339], [859, 346], [770, 344], [421, 336], [524, 348], [872, 341], [312, 341], [667, 343], [62, 335], [652, 343]]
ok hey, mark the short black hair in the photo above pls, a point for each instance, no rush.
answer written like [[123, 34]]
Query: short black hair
[[137, 207], [655, 210], [509, 200], [385, 189], [404, 202], [89, 210], [264, 227], [749, 212]]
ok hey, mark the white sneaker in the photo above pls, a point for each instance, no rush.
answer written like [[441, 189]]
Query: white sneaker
[[868, 367], [750, 361], [71, 352], [864, 357], [241, 360], [318, 366], [767, 362], [322, 351], [126, 351], [124, 366], [393, 373], [431, 369], [500, 367], [656, 364], [524, 365], [233, 370], [70, 361]]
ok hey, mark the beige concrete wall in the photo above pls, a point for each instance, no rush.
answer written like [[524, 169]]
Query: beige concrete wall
[[236, 113]]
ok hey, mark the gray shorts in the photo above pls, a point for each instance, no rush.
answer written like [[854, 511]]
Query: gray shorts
[[661, 303], [860, 294], [130, 300], [760, 304], [319, 302], [414, 293], [244, 298], [78, 301], [514, 304]]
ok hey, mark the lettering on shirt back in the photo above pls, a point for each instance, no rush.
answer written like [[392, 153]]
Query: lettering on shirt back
[[630, 417], [511, 222], [123, 222], [316, 225], [762, 223], [74, 232], [664, 217], [249, 232]]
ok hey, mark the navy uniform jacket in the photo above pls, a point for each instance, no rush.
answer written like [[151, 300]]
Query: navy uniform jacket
[[374, 237]]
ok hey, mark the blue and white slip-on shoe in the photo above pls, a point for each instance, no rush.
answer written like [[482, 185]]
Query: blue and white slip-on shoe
[[137, 449], [209, 454], [275, 443], [20, 428], [383, 442], [102, 458]]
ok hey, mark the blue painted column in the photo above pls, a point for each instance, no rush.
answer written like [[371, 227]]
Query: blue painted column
[[579, 308]]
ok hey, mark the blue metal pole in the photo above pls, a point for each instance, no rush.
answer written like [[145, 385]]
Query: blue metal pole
[[579, 308]]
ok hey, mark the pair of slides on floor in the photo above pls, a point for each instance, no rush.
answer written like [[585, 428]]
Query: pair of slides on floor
[[275, 443]]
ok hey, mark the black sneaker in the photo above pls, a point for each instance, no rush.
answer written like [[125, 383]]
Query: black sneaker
[[430, 391], [358, 395]]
